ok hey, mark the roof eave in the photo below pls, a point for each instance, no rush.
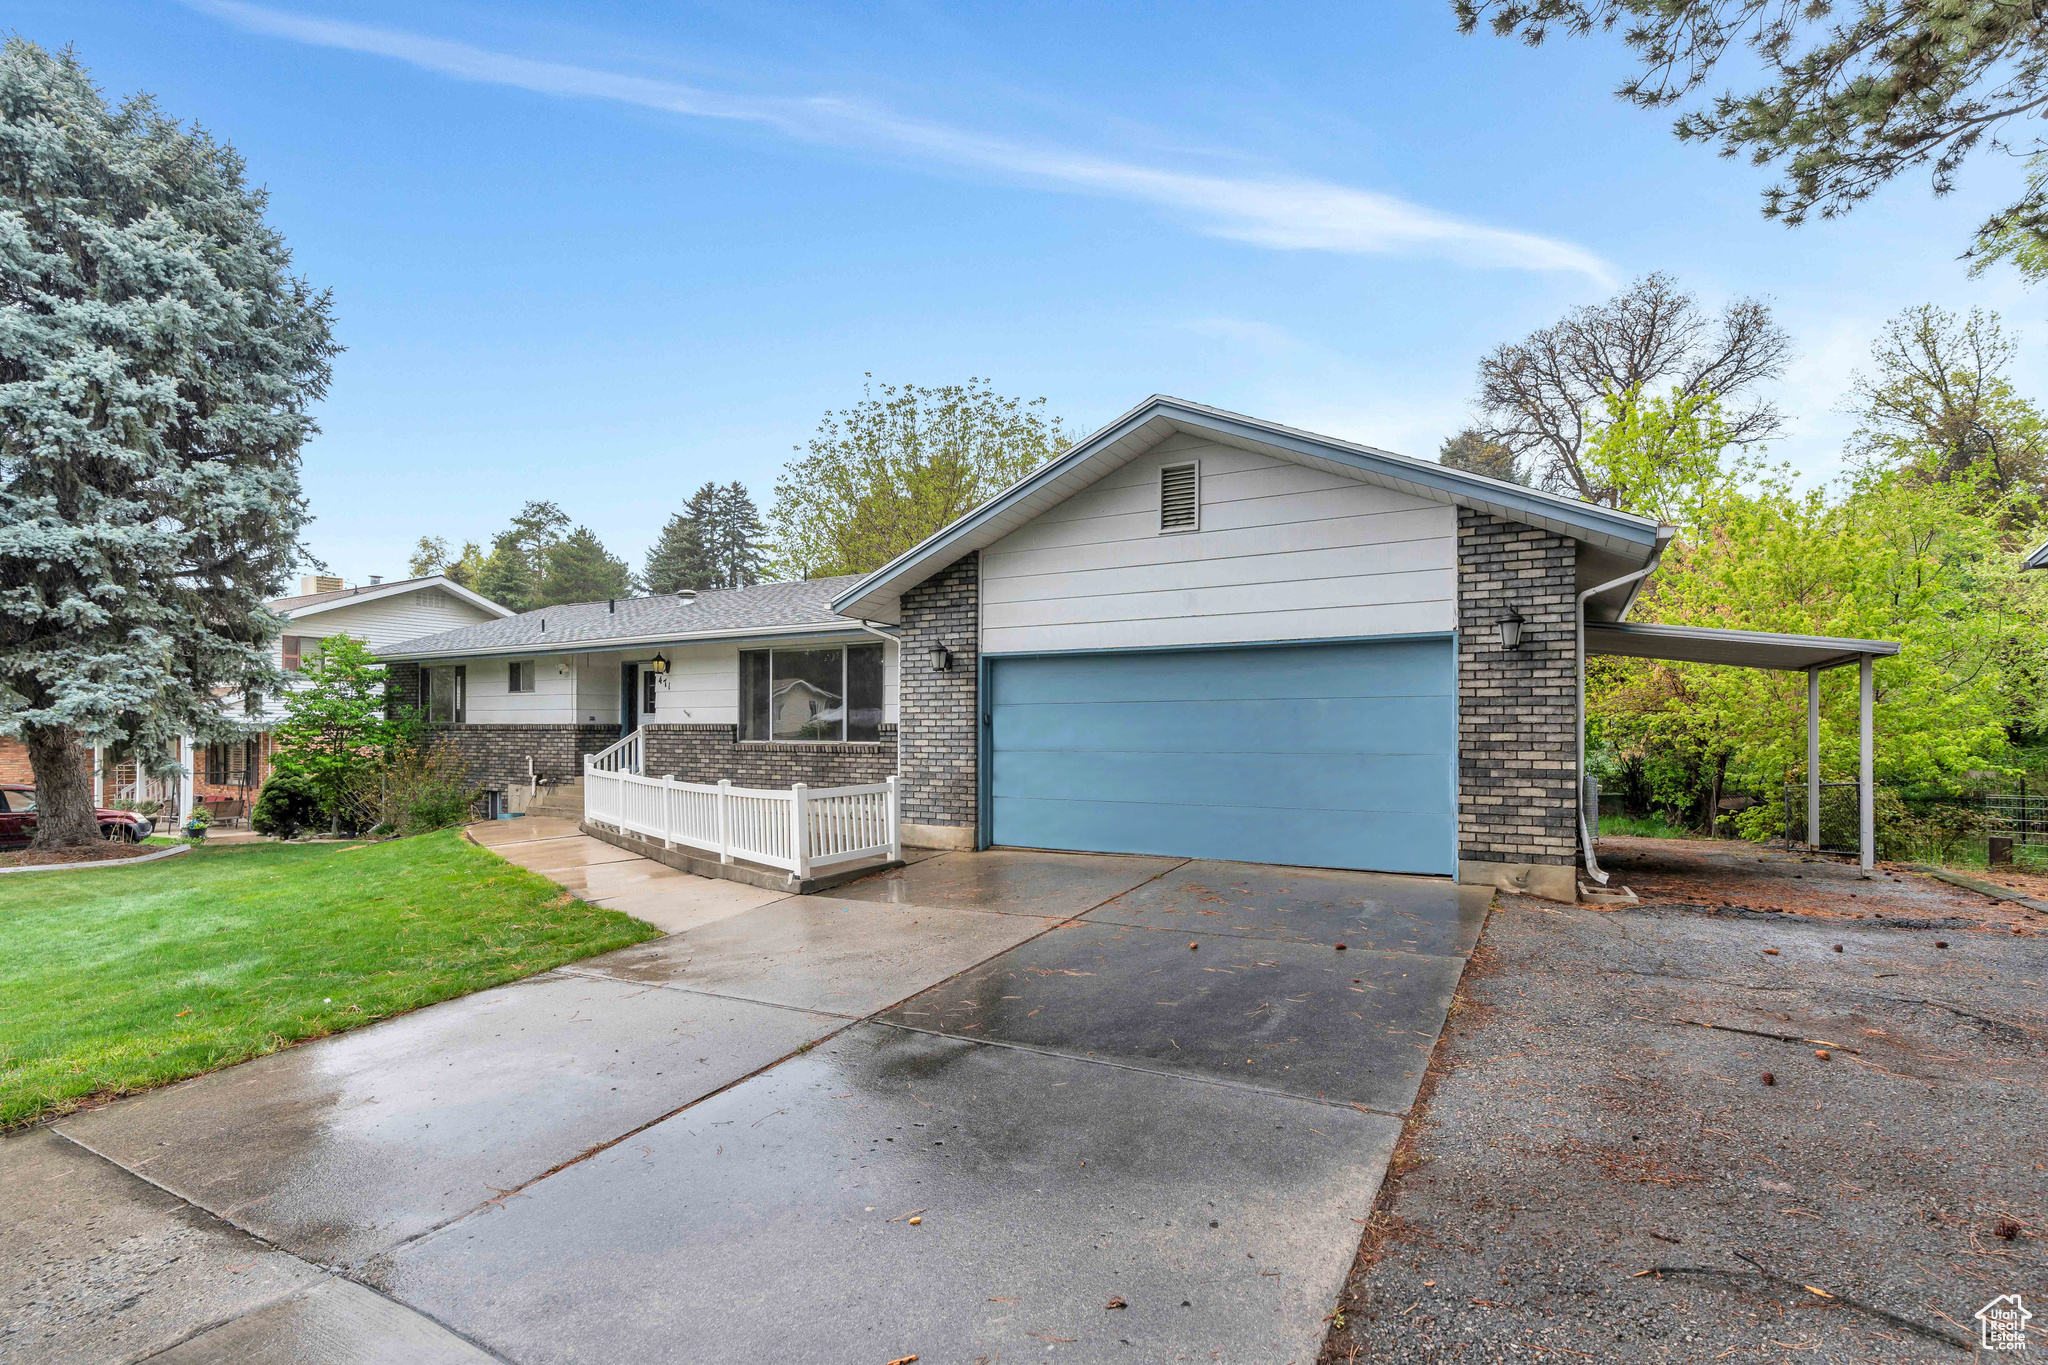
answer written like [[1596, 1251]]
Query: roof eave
[[507, 651], [383, 590], [1635, 538]]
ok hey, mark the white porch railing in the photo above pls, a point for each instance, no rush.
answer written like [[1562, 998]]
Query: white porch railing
[[146, 788], [623, 757], [801, 829]]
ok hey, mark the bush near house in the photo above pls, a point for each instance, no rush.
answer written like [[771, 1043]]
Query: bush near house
[[287, 805]]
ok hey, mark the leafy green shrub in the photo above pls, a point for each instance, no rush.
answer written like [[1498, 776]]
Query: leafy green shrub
[[288, 803], [416, 790], [1651, 826], [1933, 834]]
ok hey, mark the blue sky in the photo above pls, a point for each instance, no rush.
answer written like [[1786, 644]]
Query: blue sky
[[600, 253]]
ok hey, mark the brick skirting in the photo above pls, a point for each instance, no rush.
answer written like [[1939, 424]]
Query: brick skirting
[[497, 754], [709, 753]]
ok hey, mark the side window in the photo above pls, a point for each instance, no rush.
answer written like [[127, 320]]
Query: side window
[[444, 694], [647, 678], [864, 693], [754, 694]]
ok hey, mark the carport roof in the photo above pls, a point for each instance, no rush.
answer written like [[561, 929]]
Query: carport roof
[[1744, 648]]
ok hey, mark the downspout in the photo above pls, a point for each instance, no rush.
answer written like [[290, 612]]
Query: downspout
[[1579, 626], [876, 631]]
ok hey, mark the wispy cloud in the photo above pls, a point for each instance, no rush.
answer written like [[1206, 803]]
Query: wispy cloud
[[1278, 211]]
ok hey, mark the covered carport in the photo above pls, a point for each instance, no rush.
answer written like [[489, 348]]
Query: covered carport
[[1810, 654]]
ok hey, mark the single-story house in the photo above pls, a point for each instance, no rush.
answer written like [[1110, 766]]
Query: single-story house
[[1193, 633], [763, 685]]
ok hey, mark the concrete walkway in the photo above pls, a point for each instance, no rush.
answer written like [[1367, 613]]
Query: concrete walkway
[[617, 878], [1137, 1107]]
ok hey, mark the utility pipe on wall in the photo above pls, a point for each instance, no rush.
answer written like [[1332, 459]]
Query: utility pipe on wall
[[1579, 772]]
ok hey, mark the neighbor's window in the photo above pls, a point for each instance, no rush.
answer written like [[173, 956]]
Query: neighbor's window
[[520, 676], [444, 688], [820, 695]]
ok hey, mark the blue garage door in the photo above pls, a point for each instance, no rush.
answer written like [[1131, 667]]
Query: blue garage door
[[1335, 755]]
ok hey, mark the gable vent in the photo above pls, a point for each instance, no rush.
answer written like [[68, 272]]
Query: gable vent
[[1180, 497]]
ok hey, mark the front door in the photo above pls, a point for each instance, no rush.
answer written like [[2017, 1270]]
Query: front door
[[629, 699]]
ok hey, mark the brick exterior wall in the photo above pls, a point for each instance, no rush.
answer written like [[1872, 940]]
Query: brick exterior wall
[[707, 753], [14, 765], [940, 712], [1517, 788], [497, 754], [402, 686]]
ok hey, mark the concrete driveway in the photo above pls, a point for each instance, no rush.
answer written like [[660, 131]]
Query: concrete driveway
[[1138, 1108]]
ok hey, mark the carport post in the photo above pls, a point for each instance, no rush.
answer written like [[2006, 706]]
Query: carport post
[[1812, 759], [1866, 812]]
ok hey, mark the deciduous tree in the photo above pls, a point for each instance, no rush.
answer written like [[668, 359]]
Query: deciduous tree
[[882, 475], [432, 556], [158, 359], [337, 727], [1939, 398], [1540, 395]]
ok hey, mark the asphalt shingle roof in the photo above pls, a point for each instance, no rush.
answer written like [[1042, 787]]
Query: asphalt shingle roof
[[314, 598], [588, 625]]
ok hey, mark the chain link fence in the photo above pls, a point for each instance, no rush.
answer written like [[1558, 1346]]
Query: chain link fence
[[1839, 816]]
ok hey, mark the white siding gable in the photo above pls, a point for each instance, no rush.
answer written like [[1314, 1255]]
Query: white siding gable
[[1284, 552], [391, 620]]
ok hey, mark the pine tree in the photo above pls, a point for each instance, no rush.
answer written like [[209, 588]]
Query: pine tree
[[511, 574], [579, 569], [714, 542], [508, 577], [1471, 451], [734, 541], [155, 382], [680, 558]]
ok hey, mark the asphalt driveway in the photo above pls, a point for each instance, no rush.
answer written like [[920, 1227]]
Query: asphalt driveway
[[1137, 1107]]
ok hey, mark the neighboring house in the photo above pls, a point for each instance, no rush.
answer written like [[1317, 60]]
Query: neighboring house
[[1194, 633], [226, 776]]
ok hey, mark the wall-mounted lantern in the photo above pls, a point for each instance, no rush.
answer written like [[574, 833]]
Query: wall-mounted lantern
[[657, 664], [1511, 630], [942, 659]]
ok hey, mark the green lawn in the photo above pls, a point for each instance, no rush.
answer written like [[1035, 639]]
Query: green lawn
[[116, 980]]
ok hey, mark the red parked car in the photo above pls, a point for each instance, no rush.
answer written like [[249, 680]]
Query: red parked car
[[18, 819]]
